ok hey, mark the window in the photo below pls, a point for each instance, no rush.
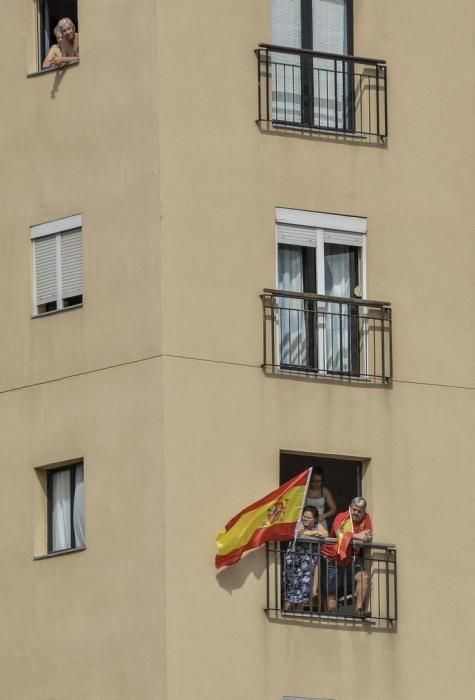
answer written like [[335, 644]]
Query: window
[[312, 90], [50, 12], [342, 477], [321, 254], [57, 265], [302, 579], [65, 495]]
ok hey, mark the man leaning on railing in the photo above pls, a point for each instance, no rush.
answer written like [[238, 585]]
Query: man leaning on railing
[[343, 559]]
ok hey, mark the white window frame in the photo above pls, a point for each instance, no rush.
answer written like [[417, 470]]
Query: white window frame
[[314, 229], [54, 228]]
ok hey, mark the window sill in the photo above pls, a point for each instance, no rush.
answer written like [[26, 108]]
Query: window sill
[[44, 71], [60, 553], [57, 311]]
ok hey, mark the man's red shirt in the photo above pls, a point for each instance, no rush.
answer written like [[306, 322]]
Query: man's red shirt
[[330, 550]]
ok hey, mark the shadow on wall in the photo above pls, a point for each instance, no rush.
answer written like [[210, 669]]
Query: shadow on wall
[[233, 577]]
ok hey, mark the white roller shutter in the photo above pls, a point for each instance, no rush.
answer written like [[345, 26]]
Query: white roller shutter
[[45, 270], [296, 235], [286, 73], [329, 35], [329, 26], [71, 264]]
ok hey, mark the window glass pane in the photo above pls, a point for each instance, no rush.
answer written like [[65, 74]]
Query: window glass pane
[[78, 508], [61, 510], [71, 264], [286, 73], [45, 270]]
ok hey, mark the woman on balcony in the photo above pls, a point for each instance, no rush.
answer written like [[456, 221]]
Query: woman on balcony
[[320, 497], [301, 560]]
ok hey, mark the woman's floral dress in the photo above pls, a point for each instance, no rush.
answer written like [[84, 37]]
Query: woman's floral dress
[[300, 561]]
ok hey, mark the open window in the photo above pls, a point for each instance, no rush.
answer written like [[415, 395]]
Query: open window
[[49, 13], [342, 477], [303, 577]]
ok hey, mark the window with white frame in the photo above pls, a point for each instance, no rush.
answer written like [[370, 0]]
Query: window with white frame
[[66, 521], [322, 254], [57, 265]]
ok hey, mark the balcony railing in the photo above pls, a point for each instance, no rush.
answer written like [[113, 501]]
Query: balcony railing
[[291, 568], [336, 93], [325, 336]]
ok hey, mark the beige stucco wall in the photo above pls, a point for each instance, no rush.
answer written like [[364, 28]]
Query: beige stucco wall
[[152, 138]]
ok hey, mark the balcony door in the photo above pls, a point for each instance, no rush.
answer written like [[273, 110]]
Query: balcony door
[[307, 90], [319, 335]]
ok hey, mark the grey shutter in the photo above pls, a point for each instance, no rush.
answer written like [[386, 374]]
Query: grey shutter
[[45, 270], [329, 35], [71, 264], [286, 73]]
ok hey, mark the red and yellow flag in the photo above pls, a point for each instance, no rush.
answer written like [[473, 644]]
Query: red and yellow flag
[[274, 517], [344, 535]]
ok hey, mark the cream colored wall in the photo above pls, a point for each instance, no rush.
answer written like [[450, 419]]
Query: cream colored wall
[[152, 138], [83, 140], [88, 624], [420, 493], [221, 181]]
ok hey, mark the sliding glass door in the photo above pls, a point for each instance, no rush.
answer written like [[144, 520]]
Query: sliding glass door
[[307, 90], [320, 335]]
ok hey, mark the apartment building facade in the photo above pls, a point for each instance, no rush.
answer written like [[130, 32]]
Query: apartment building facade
[[235, 242]]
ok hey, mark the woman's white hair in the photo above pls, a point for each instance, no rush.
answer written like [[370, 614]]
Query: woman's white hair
[[64, 21], [359, 502]]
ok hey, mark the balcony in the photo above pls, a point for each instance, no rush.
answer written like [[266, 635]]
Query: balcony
[[334, 338], [284, 573], [322, 92]]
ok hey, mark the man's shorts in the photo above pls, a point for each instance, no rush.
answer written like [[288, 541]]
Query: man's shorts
[[338, 580]]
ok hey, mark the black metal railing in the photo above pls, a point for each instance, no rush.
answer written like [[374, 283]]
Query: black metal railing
[[300, 582], [322, 91], [325, 336]]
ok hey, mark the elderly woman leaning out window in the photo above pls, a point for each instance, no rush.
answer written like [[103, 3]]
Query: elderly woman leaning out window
[[66, 50]]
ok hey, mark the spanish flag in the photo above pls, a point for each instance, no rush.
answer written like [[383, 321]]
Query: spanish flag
[[344, 535], [274, 517]]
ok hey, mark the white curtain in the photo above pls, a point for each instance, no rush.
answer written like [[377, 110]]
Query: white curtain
[[61, 516], [293, 344], [329, 35], [62, 503], [337, 284], [78, 508], [286, 73]]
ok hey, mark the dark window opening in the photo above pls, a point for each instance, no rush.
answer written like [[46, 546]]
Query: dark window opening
[[50, 12], [342, 477], [47, 308], [72, 301]]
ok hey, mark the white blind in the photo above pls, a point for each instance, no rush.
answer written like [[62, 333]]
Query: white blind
[[286, 25], [71, 264], [296, 235], [329, 26], [45, 269]]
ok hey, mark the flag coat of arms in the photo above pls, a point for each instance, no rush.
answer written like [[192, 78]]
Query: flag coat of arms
[[274, 517]]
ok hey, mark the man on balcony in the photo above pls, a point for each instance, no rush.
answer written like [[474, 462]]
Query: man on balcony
[[343, 558]]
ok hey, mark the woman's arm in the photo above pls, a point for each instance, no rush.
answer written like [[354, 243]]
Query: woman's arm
[[319, 531], [63, 60], [50, 56], [330, 501]]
